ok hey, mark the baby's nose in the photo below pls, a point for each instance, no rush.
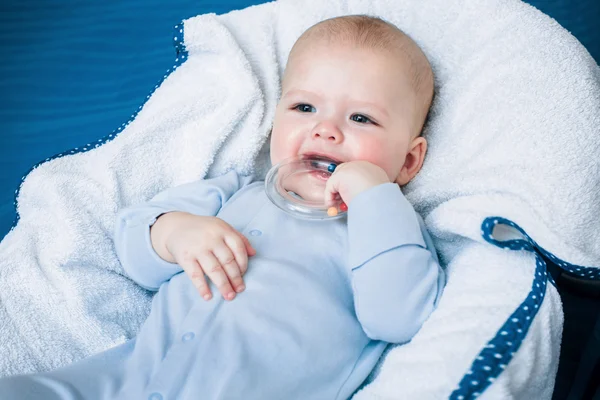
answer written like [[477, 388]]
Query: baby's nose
[[328, 131]]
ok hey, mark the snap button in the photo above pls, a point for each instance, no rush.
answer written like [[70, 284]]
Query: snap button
[[155, 396], [255, 232], [188, 336]]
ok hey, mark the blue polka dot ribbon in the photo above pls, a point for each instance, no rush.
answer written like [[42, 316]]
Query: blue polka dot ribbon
[[499, 351], [181, 57]]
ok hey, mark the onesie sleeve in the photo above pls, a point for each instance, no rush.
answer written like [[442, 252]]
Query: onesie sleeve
[[132, 229], [396, 276]]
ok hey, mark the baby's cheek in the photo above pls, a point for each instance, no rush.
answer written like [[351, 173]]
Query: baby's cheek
[[282, 143], [380, 153], [372, 150], [276, 151]]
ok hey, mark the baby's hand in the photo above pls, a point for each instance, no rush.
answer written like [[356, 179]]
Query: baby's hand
[[208, 245], [352, 178]]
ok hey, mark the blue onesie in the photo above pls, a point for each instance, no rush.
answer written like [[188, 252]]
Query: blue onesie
[[322, 301]]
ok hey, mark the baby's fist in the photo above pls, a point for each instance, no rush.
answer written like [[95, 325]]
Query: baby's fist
[[352, 178]]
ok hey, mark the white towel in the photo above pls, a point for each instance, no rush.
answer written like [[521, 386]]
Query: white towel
[[512, 134]]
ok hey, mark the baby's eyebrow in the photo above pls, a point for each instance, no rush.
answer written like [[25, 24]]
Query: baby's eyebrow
[[299, 92]]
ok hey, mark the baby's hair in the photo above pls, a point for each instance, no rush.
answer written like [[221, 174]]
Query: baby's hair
[[374, 33]]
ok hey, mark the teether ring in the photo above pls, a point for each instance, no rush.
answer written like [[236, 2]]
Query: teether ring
[[298, 174]]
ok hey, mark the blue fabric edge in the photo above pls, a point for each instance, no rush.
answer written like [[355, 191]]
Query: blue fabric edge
[[499, 351], [181, 55]]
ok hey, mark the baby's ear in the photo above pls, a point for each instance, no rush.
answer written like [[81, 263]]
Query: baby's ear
[[413, 161]]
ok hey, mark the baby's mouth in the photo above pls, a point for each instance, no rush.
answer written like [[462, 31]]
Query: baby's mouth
[[308, 179], [321, 157]]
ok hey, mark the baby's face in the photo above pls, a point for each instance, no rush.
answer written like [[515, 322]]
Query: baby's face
[[347, 104]]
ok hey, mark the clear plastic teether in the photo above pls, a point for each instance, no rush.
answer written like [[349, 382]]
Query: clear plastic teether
[[297, 186]]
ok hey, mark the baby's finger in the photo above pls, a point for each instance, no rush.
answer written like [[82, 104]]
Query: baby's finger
[[240, 252], [213, 269], [251, 251], [194, 271], [230, 265], [331, 190]]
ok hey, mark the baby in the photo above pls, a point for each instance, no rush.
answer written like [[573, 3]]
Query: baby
[[270, 306]]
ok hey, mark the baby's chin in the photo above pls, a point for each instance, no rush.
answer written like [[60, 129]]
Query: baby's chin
[[310, 186]]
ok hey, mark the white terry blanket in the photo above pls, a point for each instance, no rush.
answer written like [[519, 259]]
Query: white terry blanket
[[512, 134]]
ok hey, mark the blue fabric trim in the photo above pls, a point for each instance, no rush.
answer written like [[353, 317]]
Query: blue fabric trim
[[587, 273], [181, 56], [499, 351]]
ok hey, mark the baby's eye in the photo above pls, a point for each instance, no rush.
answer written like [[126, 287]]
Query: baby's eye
[[305, 108], [361, 119]]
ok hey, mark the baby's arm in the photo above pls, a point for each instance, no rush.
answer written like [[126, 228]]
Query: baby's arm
[[132, 230], [396, 278]]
